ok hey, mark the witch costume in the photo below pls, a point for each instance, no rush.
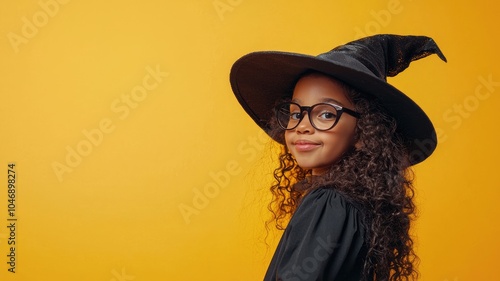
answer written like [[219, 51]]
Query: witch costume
[[326, 238]]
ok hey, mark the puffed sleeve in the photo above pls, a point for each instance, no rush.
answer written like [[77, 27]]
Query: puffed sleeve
[[324, 240]]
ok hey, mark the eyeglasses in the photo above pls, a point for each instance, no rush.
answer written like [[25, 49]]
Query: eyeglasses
[[322, 116]]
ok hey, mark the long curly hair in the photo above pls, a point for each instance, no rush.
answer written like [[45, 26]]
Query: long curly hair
[[376, 176]]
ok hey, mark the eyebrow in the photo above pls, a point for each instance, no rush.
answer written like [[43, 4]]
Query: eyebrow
[[327, 100]]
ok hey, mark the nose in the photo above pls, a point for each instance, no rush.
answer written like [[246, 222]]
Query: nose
[[305, 126]]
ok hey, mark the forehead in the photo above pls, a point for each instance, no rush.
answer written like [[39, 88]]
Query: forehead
[[315, 88]]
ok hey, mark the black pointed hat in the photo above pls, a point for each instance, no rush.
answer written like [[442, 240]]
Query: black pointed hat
[[260, 79]]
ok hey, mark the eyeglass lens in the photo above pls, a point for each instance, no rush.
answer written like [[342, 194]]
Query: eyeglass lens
[[322, 116]]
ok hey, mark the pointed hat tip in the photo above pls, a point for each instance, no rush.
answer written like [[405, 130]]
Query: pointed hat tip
[[437, 51]]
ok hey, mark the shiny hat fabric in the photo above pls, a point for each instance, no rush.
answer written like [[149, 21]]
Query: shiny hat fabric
[[260, 79]]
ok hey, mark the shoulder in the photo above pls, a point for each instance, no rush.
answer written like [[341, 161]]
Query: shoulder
[[327, 229], [328, 198], [328, 206]]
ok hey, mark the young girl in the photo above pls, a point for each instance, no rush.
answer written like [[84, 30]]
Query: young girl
[[343, 185]]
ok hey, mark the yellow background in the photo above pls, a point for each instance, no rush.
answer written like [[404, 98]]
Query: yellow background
[[70, 68]]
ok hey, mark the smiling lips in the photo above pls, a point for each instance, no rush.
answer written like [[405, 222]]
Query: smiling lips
[[305, 145]]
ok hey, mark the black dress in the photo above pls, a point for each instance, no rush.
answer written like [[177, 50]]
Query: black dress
[[324, 240]]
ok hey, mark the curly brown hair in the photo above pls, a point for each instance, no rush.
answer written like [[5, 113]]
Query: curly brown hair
[[376, 175]]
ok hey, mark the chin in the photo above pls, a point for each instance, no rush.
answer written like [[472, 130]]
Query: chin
[[309, 166]]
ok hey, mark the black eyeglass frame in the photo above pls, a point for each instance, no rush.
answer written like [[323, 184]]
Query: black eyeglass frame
[[308, 109]]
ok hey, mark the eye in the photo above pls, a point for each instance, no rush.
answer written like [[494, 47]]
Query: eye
[[327, 115], [295, 115]]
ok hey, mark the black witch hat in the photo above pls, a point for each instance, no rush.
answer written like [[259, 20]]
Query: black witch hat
[[259, 79]]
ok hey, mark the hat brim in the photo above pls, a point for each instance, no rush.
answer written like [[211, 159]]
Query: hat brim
[[260, 79]]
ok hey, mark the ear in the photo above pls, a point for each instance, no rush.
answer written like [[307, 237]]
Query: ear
[[356, 140]]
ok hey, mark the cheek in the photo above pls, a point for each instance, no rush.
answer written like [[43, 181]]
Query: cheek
[[288, 142], [287, 138], [349, 130], [344, 137]]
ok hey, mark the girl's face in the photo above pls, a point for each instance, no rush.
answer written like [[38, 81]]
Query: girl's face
[[314, 149]]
